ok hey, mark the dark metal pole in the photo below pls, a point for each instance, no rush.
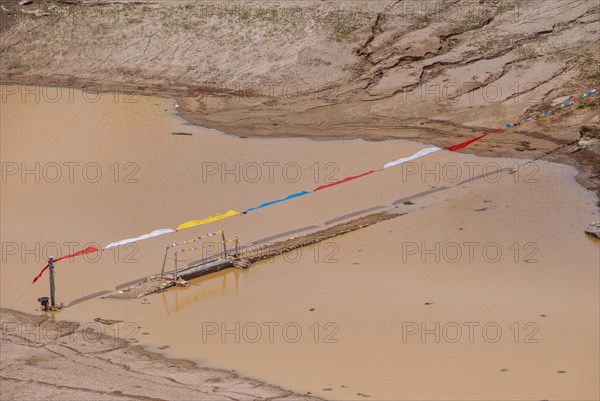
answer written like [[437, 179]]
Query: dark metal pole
[[175, 267], [224, 245], [162, 272], [52, 289], [236, 246]]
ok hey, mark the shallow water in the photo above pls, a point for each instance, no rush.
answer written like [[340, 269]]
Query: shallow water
[[485, 289]]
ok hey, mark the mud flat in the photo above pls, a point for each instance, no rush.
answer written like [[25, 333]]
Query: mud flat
[[359, 290], [44, 359]]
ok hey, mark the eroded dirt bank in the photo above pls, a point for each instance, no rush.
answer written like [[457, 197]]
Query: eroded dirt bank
[[432, 71], [44, 359]]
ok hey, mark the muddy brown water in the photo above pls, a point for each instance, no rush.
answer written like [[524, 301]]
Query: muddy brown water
[[486, 289]]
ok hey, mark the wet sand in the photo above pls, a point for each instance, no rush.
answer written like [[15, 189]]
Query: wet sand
[[43, 359], [354, 301]]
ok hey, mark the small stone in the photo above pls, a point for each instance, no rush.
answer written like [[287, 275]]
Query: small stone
[[107, 322], [593, 230], [408, 203], [575, 149], [428, 303], [561, 371], [312, 309], [591, 130]]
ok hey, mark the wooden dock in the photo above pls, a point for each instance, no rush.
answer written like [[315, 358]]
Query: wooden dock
[[247, 257]]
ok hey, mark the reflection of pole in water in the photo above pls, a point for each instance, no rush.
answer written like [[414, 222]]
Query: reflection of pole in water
[[209, 288], [236, 274], [177, 307], [165, 302], [224, 284]]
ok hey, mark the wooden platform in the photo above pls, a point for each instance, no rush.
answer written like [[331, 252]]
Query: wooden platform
[[245, 259]]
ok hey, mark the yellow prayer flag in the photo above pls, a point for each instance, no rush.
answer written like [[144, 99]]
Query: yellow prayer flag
[[213, 218]]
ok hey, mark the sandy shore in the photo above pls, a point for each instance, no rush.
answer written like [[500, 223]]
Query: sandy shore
[[49, 360], [351, 69], [553, 139]]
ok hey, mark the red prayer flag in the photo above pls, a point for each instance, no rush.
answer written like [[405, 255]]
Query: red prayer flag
[[89, 249], [343, 180], [464, 144]]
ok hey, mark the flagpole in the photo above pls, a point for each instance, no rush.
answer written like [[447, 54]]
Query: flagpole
[[52, 288]]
